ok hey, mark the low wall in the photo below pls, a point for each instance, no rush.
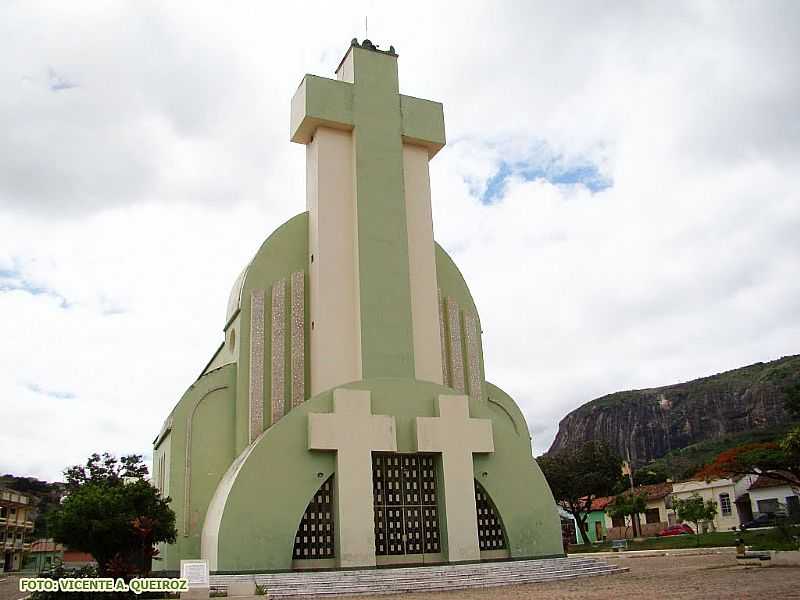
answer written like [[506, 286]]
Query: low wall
[[648, 530]]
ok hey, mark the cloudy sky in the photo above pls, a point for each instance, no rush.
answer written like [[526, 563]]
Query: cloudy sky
[[619, 188]]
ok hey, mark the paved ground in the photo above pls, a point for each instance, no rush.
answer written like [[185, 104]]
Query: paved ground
[[9, 588], [682, 577]]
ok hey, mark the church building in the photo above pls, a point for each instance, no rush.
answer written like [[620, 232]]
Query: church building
[[345, 421]]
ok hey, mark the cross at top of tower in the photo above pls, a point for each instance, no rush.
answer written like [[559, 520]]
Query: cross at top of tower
[[373, 91]]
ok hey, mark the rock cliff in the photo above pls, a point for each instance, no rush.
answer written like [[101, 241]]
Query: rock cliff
[[649, 423]]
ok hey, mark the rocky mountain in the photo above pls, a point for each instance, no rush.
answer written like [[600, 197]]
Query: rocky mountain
[[650, 423]]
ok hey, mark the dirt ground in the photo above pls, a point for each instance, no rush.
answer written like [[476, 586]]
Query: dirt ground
[[650, 578]]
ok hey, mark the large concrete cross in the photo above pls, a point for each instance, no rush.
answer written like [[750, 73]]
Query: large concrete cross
[[457, 436], [365, 99], [354, 433]]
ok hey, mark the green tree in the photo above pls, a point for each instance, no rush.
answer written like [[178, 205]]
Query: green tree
[[695, 510], [578, 476], [627, 506], [112, 512]]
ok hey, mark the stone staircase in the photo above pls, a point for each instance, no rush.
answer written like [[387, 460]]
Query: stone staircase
[[420, 579]]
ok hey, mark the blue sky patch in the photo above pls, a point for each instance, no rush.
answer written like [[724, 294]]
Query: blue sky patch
[[554, 171], [11, 280]]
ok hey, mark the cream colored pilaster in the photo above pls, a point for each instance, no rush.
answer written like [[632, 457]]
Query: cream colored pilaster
[[333, 261], [422, 265]]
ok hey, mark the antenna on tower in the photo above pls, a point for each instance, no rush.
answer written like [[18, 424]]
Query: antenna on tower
[[366, 27]]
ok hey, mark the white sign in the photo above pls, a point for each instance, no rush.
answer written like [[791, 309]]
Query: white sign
[[195, 572]]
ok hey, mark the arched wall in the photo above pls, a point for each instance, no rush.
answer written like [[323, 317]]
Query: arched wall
[[272, 488], [202, 431]]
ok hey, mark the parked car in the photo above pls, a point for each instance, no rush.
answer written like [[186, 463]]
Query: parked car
[[762, 520], [679, 529]]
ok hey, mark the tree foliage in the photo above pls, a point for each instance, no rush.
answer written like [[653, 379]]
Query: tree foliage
[[781, 460], [627, 505], [578, 476], [106, 468], [695, 510], [112, 512]]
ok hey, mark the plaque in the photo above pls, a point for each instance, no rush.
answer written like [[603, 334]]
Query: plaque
[[195, 572]]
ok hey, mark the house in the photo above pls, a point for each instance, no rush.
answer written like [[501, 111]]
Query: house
[[15, 528], [46, 554], [769, 495], [729, 494], [654, 519], [596, 521]]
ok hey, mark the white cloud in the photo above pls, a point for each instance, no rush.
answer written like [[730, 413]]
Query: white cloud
[[145, 157]]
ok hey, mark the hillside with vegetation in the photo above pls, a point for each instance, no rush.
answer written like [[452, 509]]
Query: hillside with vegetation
[[687, 424]]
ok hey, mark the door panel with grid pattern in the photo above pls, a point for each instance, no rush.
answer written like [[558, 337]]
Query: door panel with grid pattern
[[406, 516]]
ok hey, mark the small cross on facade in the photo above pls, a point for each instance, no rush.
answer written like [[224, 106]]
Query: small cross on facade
[[353, 432], [457, 436]]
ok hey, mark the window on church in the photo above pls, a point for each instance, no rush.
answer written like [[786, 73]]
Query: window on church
[[490, 529], [725, 504], [315, 535]]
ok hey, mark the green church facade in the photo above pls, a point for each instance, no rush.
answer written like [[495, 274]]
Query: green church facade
[[345, 421]]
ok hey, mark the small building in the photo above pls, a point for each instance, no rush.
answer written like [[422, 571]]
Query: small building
[[772, 496], [15, 528], [654, 519], [729, 494], [46, 554], [596, 521]]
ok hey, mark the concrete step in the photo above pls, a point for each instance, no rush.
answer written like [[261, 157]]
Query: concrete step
[[416, 579]]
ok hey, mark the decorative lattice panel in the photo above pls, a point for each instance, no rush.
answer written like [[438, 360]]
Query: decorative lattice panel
[[404, 491], [490, 528], [315, 537]]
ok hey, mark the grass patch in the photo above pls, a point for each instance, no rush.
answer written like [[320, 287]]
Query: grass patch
[[764, 539]]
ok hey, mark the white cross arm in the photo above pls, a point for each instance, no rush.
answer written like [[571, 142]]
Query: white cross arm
[[351, 426], [454, 428]]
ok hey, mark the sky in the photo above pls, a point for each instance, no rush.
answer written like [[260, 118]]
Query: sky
[[619, 188]]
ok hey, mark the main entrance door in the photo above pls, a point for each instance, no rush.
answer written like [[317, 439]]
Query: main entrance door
[[406, 515]]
